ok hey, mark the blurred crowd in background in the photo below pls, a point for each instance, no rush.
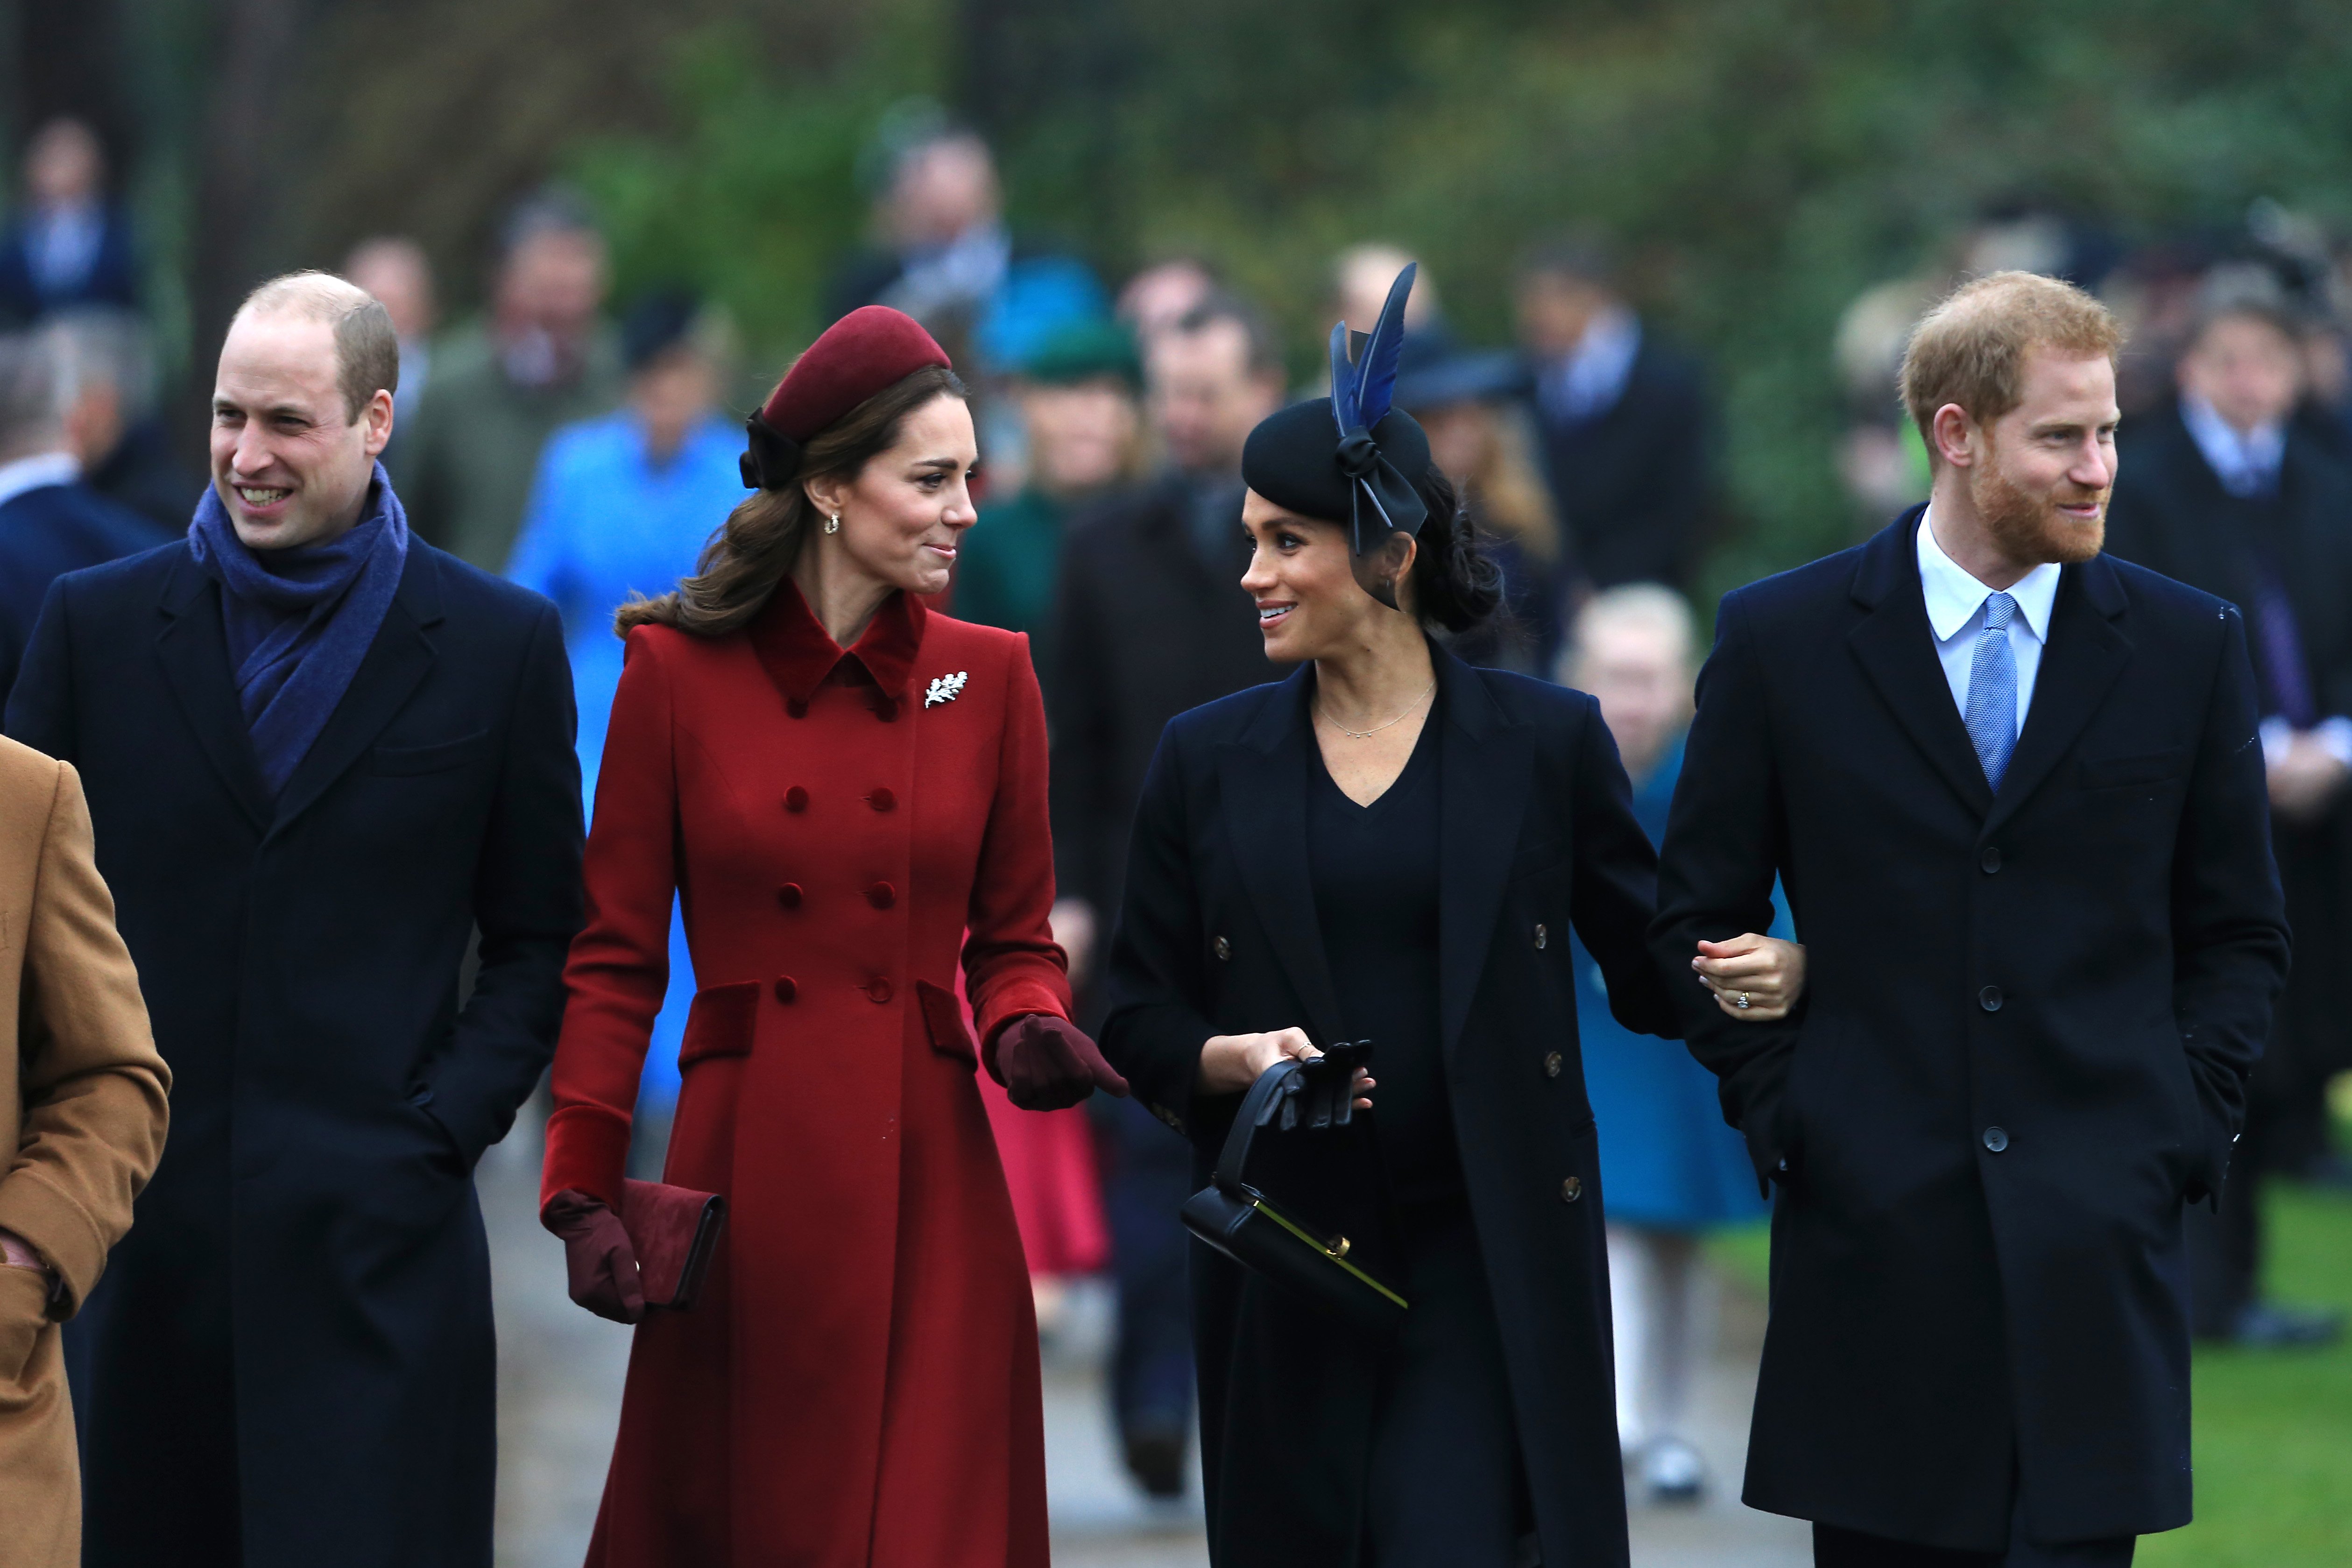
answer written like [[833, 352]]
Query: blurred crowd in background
[[576, 428], [586, 444]]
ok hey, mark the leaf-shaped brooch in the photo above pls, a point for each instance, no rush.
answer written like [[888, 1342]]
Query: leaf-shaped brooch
[[946, 688]]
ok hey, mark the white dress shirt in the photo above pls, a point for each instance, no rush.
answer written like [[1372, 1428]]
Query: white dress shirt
[[2246, 461], [1586, 382], [1956, 614], [32, 473]]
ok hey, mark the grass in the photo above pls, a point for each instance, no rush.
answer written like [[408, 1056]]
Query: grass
[[2273, 1429]]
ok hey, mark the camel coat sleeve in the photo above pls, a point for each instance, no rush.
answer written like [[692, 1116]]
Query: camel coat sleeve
[[87, 1129]]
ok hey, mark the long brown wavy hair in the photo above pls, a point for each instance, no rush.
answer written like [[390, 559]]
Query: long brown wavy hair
[[754, 550]]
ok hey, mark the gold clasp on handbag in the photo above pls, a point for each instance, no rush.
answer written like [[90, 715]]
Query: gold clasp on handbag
[[1336, 1247]]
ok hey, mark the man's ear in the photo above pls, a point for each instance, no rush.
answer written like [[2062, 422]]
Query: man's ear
[[1954, 435], [377, 416]]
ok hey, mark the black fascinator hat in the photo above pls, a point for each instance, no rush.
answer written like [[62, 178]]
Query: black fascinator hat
[[1351, 457]]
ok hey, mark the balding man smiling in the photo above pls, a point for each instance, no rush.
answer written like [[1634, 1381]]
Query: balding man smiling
[[319, 753]]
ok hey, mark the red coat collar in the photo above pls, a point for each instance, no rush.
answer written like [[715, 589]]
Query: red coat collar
[[800, 656]]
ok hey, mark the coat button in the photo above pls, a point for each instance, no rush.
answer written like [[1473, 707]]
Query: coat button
[[1551, 1065], [881, 895], [789, 895], [882, 800], [796, 799], [1543, 936], [1222, 949], [785, 989], [1990, 860], [878, 989], [1996, 1139], [796, 707], [885, 709], [1990, 998], [1572, 1189]]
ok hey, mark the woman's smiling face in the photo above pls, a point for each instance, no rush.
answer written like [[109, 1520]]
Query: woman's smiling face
[[1303, 582], [903, 517]]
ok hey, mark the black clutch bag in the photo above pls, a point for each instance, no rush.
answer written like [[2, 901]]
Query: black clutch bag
[[1279, 1239]]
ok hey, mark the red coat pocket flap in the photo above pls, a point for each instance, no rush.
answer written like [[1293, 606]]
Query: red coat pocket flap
[[943, 1015], [721, 1022]]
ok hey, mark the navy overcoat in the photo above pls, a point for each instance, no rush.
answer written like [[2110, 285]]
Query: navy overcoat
[[2024, 1042], [1218, 935], [296, 1340]]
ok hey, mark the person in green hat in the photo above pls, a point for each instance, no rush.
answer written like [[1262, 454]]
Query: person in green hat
[[1078, 409]]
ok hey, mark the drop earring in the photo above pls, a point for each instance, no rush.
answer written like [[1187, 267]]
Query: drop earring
[[833, 523]]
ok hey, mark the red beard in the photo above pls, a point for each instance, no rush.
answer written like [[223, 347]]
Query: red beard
[[2029, 527]]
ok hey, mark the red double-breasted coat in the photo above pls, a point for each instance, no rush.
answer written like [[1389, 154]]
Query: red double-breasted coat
[[858, 1383]]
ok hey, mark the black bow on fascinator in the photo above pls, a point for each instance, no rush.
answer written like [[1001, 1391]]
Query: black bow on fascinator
[[1352, 458], [771, 459]]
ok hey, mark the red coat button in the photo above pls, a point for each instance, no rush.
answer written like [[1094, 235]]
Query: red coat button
[[878, 989], [885, 709], [796, 799], [789, 895], [796, 707], [785, 989], [882, 799], [881, 895]]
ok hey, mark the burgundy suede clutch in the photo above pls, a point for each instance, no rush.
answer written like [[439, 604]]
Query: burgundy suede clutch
[[674, 1231]]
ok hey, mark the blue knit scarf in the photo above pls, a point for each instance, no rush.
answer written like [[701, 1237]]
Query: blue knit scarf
[[301, 620]]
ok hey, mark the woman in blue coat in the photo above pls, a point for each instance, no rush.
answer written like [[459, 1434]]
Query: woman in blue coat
[[1672, 1168], [622, 506]]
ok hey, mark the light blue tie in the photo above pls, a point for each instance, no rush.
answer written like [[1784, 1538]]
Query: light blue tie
[[1992, 690]]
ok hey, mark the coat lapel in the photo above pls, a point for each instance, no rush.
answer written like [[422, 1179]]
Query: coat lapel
[[194, 649], [397, 663], [1263, 776], [2080, 663], [1898, 650], [1486, 768]]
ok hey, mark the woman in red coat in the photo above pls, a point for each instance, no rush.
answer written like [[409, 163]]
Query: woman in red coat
[[848, 792]]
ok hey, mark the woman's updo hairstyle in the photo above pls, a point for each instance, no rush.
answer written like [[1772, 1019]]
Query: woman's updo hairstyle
[[842, 405], [1456, 583]]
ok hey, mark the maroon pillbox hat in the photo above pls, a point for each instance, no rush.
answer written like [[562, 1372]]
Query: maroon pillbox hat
[[871, 348]]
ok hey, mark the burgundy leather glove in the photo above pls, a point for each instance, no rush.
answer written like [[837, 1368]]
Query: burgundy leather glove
[[597, 1254], [1045, 1064]]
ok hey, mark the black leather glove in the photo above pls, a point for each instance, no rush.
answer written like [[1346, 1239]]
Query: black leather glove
[[1045, 1064], [602, 1264], [1323, 1092]]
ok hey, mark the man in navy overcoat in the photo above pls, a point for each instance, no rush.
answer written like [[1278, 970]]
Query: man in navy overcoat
[[320, 755], [2014, 789]]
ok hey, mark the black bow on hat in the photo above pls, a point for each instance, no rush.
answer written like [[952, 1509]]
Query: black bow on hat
[[771, 460]]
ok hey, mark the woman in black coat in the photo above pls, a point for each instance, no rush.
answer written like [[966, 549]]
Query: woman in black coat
[[1392, 844]]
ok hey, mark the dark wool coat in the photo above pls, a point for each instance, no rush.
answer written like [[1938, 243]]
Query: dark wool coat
[[1218, 935], [294, 1343], [2171, 515], [1634, 483], [2029, 1021]]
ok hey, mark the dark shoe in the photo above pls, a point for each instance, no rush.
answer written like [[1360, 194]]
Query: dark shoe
[[2268, 1326], [1155, 1457]]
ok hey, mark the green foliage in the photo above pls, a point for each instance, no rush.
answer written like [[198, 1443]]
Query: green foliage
[[754, 199], [1763, 160]]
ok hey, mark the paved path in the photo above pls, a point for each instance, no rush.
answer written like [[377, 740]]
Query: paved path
[[560, 1372]]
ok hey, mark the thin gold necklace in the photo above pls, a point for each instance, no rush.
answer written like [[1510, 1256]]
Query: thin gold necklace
[[1368, 734]]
